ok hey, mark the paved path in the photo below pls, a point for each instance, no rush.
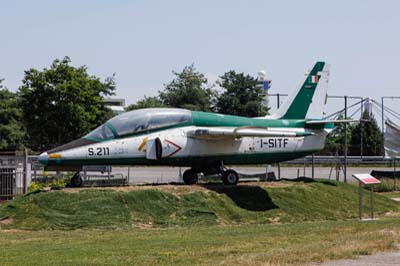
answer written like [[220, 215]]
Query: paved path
[[379, 259], [171, 174]]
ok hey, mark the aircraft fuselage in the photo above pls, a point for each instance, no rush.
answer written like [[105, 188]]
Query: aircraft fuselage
[[179, 149]]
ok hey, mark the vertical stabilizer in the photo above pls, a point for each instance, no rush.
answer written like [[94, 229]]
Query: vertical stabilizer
[[308, 100]]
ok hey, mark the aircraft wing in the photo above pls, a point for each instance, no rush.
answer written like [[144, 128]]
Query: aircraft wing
[[320, 122], [238, 132]]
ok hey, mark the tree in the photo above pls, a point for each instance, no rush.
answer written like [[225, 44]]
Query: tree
[[372, 137], [12, 132], [240, 95], [62, 103], [334, 143], [188, 90], [147, 102]]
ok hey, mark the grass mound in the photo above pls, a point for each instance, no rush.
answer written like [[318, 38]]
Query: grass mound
[[291, 201]]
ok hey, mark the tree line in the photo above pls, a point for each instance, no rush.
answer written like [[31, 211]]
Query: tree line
[[190, 89], [61, 103], [363, 138]]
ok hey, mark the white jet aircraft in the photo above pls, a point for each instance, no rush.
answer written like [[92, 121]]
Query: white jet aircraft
[[205, 142]]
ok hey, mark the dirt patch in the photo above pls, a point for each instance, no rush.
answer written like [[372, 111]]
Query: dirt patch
[[174, 189], [178, 189], [379, 259], [278, 184], [396, 199], [6, 221], [391, 214], [144, 226], [11, 231]]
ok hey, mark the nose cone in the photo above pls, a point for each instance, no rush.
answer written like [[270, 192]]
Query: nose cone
[[44, 158]]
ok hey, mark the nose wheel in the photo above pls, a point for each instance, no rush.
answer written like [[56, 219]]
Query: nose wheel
[[230, 177], [76, 180], [190, 177]]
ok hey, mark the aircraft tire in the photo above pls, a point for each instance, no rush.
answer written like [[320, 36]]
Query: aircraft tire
[[230, 177], [190, 177], [76, 180]]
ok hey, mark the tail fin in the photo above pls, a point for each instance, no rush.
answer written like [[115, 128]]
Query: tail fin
[[308, 100]]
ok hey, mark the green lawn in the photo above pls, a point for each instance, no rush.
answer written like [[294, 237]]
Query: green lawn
[[282, 244], [182, 206], [279, 223]]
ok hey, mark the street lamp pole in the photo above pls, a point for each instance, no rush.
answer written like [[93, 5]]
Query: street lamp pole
[[345, 140], [362, 129], [383, 110], [345, 127]]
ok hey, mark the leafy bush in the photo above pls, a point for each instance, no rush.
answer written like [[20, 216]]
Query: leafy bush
[[35, 186], [57, 182]]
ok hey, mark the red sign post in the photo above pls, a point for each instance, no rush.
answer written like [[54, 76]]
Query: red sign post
[[366, 179]]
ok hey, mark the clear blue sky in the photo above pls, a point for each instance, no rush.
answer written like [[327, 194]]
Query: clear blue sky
[[143, 41]]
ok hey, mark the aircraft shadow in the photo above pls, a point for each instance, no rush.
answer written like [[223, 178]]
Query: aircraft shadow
[[252, 198]]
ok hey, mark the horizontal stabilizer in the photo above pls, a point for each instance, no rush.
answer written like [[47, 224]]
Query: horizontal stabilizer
[[321, 122], [218, 133]]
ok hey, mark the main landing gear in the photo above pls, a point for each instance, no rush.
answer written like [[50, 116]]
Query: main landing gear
[[228, 176]]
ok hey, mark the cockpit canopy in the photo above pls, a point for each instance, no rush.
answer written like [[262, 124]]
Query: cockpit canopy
[[138, 121]]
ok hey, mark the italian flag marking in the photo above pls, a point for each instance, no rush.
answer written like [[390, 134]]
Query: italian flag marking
[[314, 79]]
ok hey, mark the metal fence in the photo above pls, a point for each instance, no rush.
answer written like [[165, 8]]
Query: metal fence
[[17, 172], [12, 177]]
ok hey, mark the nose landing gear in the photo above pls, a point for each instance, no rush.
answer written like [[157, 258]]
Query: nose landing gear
[[76, 180], [190, 177]]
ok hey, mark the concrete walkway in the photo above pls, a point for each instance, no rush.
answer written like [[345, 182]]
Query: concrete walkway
[[171, 174], [379, 259]]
